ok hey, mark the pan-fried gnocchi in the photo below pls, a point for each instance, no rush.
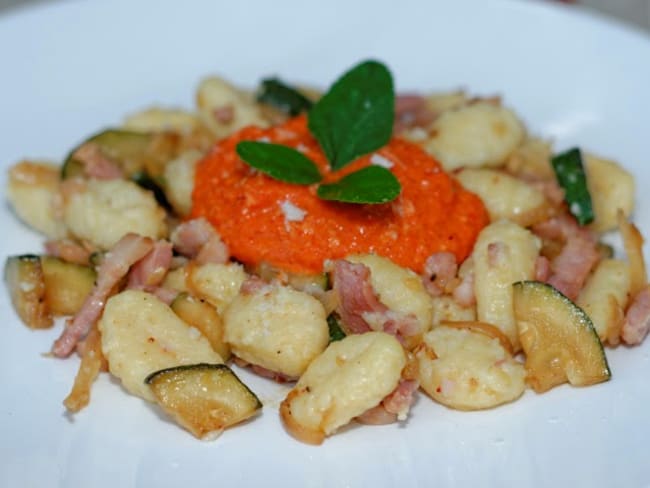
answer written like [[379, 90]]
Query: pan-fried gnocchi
[[179, 181], [603, 296], [102, 211], [398, 288], [156, 119], [476, 135], [33, 192], [225, 109], [141, 335], [277, 328], [468, 370], [503, 254], [169, 303], [217, 283], [445, 309], [612, 189], [352, 376], [506, 197]]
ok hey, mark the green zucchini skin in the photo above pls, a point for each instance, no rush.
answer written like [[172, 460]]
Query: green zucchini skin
[[219, 369], [571, 176], [125, 147], [203, 398], [286, 99], [336, 332], [558, 338], [143, 180]]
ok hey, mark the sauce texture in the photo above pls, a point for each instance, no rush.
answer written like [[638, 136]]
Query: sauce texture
[[264, 220]]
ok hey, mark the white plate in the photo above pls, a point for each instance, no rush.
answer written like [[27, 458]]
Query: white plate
[[70, 68]]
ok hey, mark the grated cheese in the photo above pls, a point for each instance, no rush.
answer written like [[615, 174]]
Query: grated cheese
[[291, 213], [379, 160]]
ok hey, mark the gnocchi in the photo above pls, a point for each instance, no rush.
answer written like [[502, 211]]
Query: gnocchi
[[218, 284], [480, 134], [141, 335], [468, 370], [225, 109], [348, 378], [102, 211], [33, 192], [276, 327], [400, 289], [503, 254]]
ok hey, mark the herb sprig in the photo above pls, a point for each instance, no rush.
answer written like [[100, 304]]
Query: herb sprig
[[280, 162], [354, 118]]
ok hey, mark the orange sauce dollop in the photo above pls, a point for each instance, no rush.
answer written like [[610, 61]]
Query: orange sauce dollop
[[433, 212]]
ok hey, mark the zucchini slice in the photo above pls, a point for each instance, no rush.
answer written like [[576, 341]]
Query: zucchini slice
[[66, 285], [133, 152], [24, 279], [558, 338], [203, 398], [570, 174], [204, 317], [283, 97], [155, 186], [124, 147]]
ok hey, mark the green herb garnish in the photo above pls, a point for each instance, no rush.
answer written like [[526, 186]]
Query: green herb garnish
[[356, 115], [283, 97], [354, 118], [280, 162], [570, 174], [336, 333], [372, 184]]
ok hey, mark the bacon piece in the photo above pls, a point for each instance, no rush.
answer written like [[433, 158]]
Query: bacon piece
[[572, 266], [561, 228], [401, 399], [579, 254], [92, 363], [263, 372], [224, 114], [197, 239], [149, 271], [96, 165], [542, 268], [127, 251], [252, 285], [355, 295], [549, 187], [165, 295], [377, 416], [398, 324], [440, 272], [412, 111], [393, 407], [213, 251], [360, 309], [637, 318], [69, 251]]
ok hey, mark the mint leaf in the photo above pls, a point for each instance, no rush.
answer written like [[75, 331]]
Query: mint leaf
[[280, 162], [283, 97], [372, 184], [356, 115]]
